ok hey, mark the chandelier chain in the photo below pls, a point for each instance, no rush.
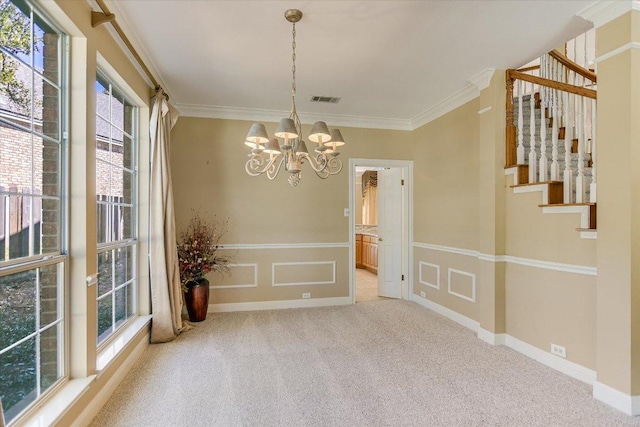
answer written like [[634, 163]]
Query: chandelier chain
[[293, 69]]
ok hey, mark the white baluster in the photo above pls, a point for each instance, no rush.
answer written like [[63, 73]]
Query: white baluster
[[586, 62], [533, 164], [592, 187], [520, 150], [542, 176], [581, 124], [555, 167], [568, 140]]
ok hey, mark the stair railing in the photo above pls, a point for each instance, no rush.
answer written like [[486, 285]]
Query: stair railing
[[564, 93]]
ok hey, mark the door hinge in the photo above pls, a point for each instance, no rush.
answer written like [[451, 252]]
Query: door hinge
[[403, 277], [402, 182]]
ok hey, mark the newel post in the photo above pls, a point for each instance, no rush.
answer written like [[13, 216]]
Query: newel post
[[511, 149]]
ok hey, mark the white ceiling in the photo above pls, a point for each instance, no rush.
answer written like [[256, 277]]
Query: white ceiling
[[389, 61]]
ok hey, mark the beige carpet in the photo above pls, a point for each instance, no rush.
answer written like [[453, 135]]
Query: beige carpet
[[382, 363]]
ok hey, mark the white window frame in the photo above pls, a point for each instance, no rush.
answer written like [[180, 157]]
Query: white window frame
[[131, 243], [59, 257]]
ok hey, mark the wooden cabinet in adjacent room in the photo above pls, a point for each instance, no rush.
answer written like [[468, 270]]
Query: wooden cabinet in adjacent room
[[369, 253], [359, 251]]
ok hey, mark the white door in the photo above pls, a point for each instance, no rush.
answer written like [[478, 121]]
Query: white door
[[390, 233]]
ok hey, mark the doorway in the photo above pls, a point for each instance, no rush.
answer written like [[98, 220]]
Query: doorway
[[382, 248]]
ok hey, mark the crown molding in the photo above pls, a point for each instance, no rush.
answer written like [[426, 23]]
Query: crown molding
[[132, 35], [261, 115], [605, 11], [450, 103], [482, 79]]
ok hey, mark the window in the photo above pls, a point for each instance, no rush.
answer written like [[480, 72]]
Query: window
[[116, 191], [32, 206]]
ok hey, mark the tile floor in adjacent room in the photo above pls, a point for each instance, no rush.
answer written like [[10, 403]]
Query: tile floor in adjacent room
[[366, 286]]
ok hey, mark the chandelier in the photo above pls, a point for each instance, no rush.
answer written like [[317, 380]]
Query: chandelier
[[268, 155]]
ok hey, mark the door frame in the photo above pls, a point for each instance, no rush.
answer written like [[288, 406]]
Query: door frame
[[407, 221]]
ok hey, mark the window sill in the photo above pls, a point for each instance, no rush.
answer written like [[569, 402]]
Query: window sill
[[107, 354], [52, 408]]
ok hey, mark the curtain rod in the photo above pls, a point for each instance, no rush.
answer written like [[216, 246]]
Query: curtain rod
[[98, 18]]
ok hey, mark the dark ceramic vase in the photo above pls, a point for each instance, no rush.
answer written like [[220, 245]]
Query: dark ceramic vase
[[196, 299]]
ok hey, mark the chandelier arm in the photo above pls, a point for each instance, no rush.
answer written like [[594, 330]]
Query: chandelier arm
[[256, 165], [334, 165], [274, 170], [317, 163]]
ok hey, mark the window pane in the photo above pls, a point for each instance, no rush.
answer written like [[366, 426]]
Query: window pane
[[15, 151], [46, 107], [45, 52], [49, 291], [121, 306], [127, 156], [17, 307], [17, 226], [117, 157], [127, 222], [127, 187], [116, 137], [15, 90], [105, 273], [124, 265], [50, 226], [50, 366], [18, 25], [103, 180], [47, 161], [105, 319], [131, 300], [117, 113], [18, 387]]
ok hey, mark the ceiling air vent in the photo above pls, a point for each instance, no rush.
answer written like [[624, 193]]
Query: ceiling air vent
[[330, 99]]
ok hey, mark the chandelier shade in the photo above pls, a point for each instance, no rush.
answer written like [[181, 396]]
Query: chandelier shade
[[268, 156], [320, 133], [272, 147], [257, 135], [286, 129]]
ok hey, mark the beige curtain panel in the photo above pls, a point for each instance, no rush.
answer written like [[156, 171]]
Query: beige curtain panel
[[166, 293]]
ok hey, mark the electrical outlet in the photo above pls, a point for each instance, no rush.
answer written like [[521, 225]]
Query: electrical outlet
[[306, 295], [558, 350], [423, 294]]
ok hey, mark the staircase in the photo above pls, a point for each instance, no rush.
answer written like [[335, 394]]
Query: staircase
[[569, 99]]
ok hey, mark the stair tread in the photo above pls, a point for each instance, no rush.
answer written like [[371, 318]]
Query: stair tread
[[537, 183], [566, 204]]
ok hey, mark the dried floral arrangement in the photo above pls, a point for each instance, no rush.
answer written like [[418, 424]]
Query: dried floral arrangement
[[199, 249]]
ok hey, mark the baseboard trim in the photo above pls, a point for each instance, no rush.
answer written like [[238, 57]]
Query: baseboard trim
[[630, 405], [491, 338], [447, 312], [278, 305], [565, 366], [103, 396]]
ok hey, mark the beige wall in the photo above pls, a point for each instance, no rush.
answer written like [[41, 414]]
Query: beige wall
[[618, 283], [429, 264], [546, 306], [445, 175], [207, 161]]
